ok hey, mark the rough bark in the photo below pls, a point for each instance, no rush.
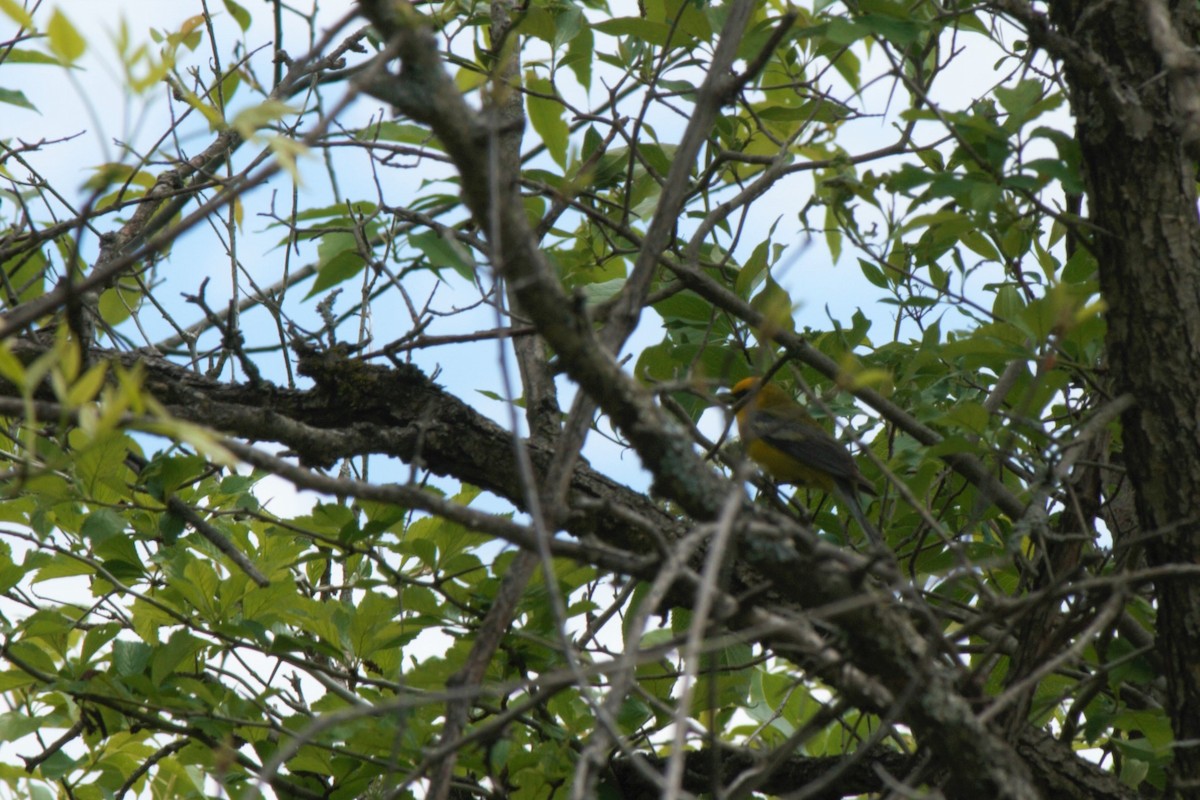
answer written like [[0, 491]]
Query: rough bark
[[1133, 126]]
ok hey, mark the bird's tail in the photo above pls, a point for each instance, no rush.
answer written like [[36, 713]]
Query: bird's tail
[[848, 497]]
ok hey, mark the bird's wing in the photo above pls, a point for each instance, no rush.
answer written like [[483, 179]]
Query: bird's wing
[[806, 443]]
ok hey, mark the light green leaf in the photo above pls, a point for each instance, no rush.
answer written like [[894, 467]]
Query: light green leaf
[[65, 40], [16, 12], [546, 115], [249, 120], [241, 15], [287, 151]]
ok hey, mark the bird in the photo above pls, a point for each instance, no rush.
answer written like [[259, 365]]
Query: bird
[[782, 438]]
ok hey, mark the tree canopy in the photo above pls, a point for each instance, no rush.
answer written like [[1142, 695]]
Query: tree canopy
[[359, 374]]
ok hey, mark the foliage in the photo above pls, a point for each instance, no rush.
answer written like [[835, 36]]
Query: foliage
[[461, 611]]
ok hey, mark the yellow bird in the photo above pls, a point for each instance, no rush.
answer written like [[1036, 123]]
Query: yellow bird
[[781, 437]]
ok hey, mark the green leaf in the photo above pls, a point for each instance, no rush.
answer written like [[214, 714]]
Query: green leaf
[[130, 658], [980, 245], [65, 41], [118, 303], [63, 566], [908, 178], [216, 121], [241, 15], [900, 32], [16, 12], [57, 766], [748, 277], [96, 638], [580, 55], [538, 22], [26, 273], [167, 473], [546, 115], [87, 386], [873, 274], [656, 33], [249, 120], [100, 465], [166, 658], [1080, 267], [968, 415], [286, 151], [776, 307], [730, 686], [1008, 303], [833, 233], [14, 725], [387, 131], [100, 525], [337, 212], [602, 291], [311, 759], [838, 31], [1056, 169], [445, 251], [338, 260], [15, 97], [16, 679], [1019, 99], [21, 56]]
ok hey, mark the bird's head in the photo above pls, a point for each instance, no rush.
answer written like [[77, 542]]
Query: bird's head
[[754, 390]]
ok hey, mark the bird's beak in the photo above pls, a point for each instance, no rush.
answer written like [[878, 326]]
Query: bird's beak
[[733, 401]]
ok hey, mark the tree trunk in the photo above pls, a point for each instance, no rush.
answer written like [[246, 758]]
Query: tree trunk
[[1141, 188]]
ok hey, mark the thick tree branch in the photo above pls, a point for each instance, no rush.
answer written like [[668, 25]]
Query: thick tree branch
[[358, 408]]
